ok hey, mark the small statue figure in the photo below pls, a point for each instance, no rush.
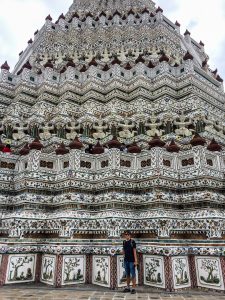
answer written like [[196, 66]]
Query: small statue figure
[[100, 134], [72, 126], [20, 128], [126, 132], [182, 126], [45, 135], [154, 55], [199, 123], [153, 125], [208, 125]]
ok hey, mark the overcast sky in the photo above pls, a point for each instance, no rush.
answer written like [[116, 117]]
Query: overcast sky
[[205, 19]]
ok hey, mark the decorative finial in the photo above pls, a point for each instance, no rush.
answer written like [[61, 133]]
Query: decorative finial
[[48, 18], [5, 66]]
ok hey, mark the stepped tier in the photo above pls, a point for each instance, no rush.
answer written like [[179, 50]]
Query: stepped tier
[[111, 182], [98, 108]]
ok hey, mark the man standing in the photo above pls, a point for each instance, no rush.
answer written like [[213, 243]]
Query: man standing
[[130, 261]]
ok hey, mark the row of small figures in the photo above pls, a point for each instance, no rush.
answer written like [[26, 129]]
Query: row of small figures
[[183, 127]]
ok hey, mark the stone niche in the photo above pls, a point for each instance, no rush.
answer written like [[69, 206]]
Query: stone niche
[[209, 272], [73, 270], [21, 268], [48, 269]]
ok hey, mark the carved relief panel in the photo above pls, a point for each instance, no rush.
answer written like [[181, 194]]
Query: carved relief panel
[[73, 269], [209, 272], [101, 270], [181, 276], [154, 271], [21, 268], [48, 269]]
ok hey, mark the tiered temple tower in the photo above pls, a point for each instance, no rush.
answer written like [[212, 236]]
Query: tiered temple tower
[[120, 76]]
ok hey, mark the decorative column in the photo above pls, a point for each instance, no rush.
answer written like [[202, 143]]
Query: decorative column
[[74, 159], [168, 274], [89, 266], [48, 71], [48, 23], [58, 272], [92, 71], [192, 268], [113, 272], [3, 269], [4, 74], [141, 269], [34, 156], [159, 14], [38, 268], [70, 72], [25, 75], [222, 262]]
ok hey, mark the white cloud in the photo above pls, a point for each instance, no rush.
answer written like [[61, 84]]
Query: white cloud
[[19, 19], [205, 19]]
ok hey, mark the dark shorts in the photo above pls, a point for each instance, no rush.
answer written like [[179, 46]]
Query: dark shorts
[[129, 269]]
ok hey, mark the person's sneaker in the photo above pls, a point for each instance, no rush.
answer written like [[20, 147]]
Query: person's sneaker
[[126, 290], [133, 291]]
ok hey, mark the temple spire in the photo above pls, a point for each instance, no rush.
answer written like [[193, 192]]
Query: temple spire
[[111, 5]]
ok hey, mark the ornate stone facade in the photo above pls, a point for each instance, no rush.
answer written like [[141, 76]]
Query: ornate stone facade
[[115, 122]]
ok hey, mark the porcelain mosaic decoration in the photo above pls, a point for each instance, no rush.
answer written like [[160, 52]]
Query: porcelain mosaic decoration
[[21, 268], [73, 269], [48, 269], [101, 270], [154, 271], [115, 121], [209, 273], [181, 276]]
